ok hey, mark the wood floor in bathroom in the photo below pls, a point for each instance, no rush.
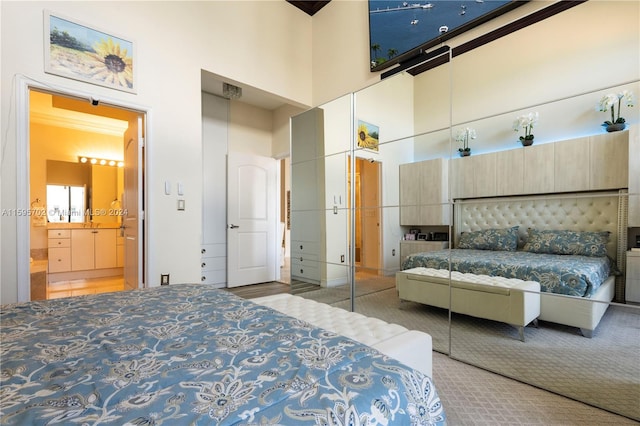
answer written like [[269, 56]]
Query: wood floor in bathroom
[[60, 289]]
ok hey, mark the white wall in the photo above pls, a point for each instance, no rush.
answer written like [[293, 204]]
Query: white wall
[[174, 42], [250, 129], [341, 50], [281, 142]]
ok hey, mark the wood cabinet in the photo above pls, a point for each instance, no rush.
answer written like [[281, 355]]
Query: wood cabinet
[[484, 175], [424, 193], [589, 163], [410, 175], [571, 165], [474, 176], [93, 249], [105, 249], [632, 288], [538, 177], [59, 247], [82, 249], [609, 160], [510, 172]]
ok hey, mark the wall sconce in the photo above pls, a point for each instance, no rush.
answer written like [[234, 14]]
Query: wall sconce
[[100, 161]]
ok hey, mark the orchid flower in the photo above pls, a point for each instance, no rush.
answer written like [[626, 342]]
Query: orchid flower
[[608, 103]]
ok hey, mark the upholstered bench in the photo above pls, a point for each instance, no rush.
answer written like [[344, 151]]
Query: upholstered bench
[[410, 347], [508, 300]]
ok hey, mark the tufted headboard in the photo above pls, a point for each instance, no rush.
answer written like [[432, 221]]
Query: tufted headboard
[[593, 211]]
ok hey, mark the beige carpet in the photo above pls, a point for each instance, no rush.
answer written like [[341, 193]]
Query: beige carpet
[[472, 396], [553, 357]]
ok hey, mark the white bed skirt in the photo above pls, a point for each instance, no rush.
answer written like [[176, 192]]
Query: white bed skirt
[[581, 312]]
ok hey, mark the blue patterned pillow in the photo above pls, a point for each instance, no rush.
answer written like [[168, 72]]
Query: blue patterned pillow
[[505, 239], [581, 243]]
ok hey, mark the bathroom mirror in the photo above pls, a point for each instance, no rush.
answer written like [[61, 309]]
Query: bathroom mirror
[[83, 192]]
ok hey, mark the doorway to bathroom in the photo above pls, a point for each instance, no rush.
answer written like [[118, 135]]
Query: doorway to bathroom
[[85, 180]]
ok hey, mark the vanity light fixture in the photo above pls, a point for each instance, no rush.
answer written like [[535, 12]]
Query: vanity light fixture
[[101, 161]]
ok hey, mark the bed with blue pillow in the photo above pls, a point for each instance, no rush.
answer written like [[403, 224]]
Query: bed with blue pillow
[[192, 354], [563, 262], [569, 243]]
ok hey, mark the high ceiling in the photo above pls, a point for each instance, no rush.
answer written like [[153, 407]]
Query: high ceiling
[[213, 83], [309, 7]]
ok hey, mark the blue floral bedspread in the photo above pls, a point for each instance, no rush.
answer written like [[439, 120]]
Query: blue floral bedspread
[[191, 354], [562, 274]]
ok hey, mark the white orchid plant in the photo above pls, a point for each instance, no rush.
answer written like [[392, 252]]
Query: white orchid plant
[[608, 103], [526, 122], [464, 135]]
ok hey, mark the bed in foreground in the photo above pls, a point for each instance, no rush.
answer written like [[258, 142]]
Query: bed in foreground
[[191, 354]]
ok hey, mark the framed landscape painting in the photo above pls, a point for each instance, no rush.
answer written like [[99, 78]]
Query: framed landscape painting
[[368, 135], [80, 52]]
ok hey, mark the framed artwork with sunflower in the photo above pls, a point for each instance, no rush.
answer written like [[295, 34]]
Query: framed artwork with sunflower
[[367, 135], [77, 51]]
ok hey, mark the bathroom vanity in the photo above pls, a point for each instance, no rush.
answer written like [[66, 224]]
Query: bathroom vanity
[[84, 251]]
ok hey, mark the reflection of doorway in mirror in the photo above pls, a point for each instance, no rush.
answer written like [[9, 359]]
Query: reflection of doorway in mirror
[[367, 215]]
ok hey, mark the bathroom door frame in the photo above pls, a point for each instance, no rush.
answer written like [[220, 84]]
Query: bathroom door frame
[[23, 87]]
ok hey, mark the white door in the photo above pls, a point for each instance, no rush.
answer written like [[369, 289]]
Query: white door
[[132, 203], [251, 219]]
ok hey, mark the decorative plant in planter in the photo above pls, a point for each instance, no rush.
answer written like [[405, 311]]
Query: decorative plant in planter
[[464, 135], [608, 102], [526, 122]]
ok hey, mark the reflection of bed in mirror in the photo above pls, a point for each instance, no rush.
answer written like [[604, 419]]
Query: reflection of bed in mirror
[[577, 277]]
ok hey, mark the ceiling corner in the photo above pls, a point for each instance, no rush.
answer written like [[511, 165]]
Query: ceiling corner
[[309, 7]]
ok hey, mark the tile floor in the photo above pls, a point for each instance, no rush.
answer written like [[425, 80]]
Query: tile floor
[[60, 289]]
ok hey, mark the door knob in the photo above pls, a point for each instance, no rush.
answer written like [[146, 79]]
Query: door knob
[[232, 226]]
